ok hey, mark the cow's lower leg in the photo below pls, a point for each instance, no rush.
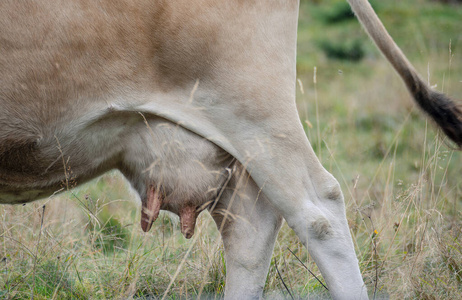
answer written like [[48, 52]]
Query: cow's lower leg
[[310, 200], [322, 226], [249, 226]]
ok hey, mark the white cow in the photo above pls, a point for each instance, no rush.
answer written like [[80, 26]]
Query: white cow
[[187, 98]]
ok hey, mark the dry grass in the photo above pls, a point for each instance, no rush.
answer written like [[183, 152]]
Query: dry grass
[[95, 249], [401, 181]]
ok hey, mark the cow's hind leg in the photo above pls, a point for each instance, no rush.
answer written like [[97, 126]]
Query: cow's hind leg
[[322, 226], [282, 162], [248, 225]]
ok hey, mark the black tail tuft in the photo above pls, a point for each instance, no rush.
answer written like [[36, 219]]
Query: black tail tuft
[[446, 114]]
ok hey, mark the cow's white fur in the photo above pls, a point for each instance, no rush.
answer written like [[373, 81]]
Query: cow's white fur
[[172, 101]]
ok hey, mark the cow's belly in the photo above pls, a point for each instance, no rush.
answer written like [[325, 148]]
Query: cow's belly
[[18, 197]]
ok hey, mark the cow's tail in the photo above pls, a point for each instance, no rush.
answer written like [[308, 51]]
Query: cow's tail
[[438, 106]]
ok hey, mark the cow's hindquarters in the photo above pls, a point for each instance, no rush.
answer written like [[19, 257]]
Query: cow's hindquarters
[[248, 109]]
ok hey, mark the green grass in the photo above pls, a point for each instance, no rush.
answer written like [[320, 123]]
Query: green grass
[[397, 173]]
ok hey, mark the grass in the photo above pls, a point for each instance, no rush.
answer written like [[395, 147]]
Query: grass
[[401, 182]]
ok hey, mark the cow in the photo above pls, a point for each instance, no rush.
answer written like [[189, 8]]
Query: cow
[[194, 102]]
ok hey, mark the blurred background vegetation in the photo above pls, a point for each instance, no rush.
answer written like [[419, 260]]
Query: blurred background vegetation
[[401, 180]]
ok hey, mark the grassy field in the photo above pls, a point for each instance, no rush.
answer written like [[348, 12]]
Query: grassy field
[[401, 180]]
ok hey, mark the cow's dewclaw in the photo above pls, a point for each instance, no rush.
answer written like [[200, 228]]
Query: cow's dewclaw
[[150, 208]]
